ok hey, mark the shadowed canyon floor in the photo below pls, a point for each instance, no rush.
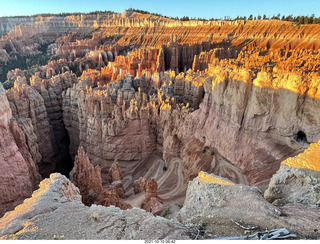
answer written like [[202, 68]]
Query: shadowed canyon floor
[[205, 123]]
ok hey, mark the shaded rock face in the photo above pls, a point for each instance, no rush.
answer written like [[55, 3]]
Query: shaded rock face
[[294, 186], [25, 151], [8, 24], [113, 196], [115, 172], [37, 110], [153, 205], [56, 210], [108, 129], [116, 180], [211, 195], [152, 202], [17, 175], [26, 102], [297, 182], [51, 91], [139, 185]]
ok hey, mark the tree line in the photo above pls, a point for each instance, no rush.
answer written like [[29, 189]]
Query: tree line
[[59, 14], [296, 19], [301, 19]]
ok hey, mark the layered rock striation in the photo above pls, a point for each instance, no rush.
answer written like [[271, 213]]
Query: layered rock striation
[[37, 109], [122, 127], [18, 171], [262, 117]]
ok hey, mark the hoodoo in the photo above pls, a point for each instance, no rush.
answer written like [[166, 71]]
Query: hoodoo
[[135, 125]]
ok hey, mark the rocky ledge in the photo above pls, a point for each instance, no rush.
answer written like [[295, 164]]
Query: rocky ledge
[[55, 211], [223, 208]]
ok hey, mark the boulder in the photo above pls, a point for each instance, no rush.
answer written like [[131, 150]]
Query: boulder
[[229, 209], [297, 182]]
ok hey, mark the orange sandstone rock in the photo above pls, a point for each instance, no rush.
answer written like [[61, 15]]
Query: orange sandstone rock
[[151, 189], [87, 178]]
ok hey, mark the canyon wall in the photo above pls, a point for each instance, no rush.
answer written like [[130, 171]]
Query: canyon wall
[[110, 122], [260, 125], [246, 124], [18, 171], [9, 23], [38, 111]]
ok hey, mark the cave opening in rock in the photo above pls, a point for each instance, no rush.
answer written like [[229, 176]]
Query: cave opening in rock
[[301, 137]]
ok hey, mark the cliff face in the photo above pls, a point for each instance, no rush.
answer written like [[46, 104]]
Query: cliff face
[[8, 23], [264, 34], [26, 102], [259, 124], [37, 109], [257, 133], [16, 171], [51, 91], [48, 26], [94, 119]]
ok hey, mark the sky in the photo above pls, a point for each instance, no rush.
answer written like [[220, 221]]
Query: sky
[[194, 8]]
